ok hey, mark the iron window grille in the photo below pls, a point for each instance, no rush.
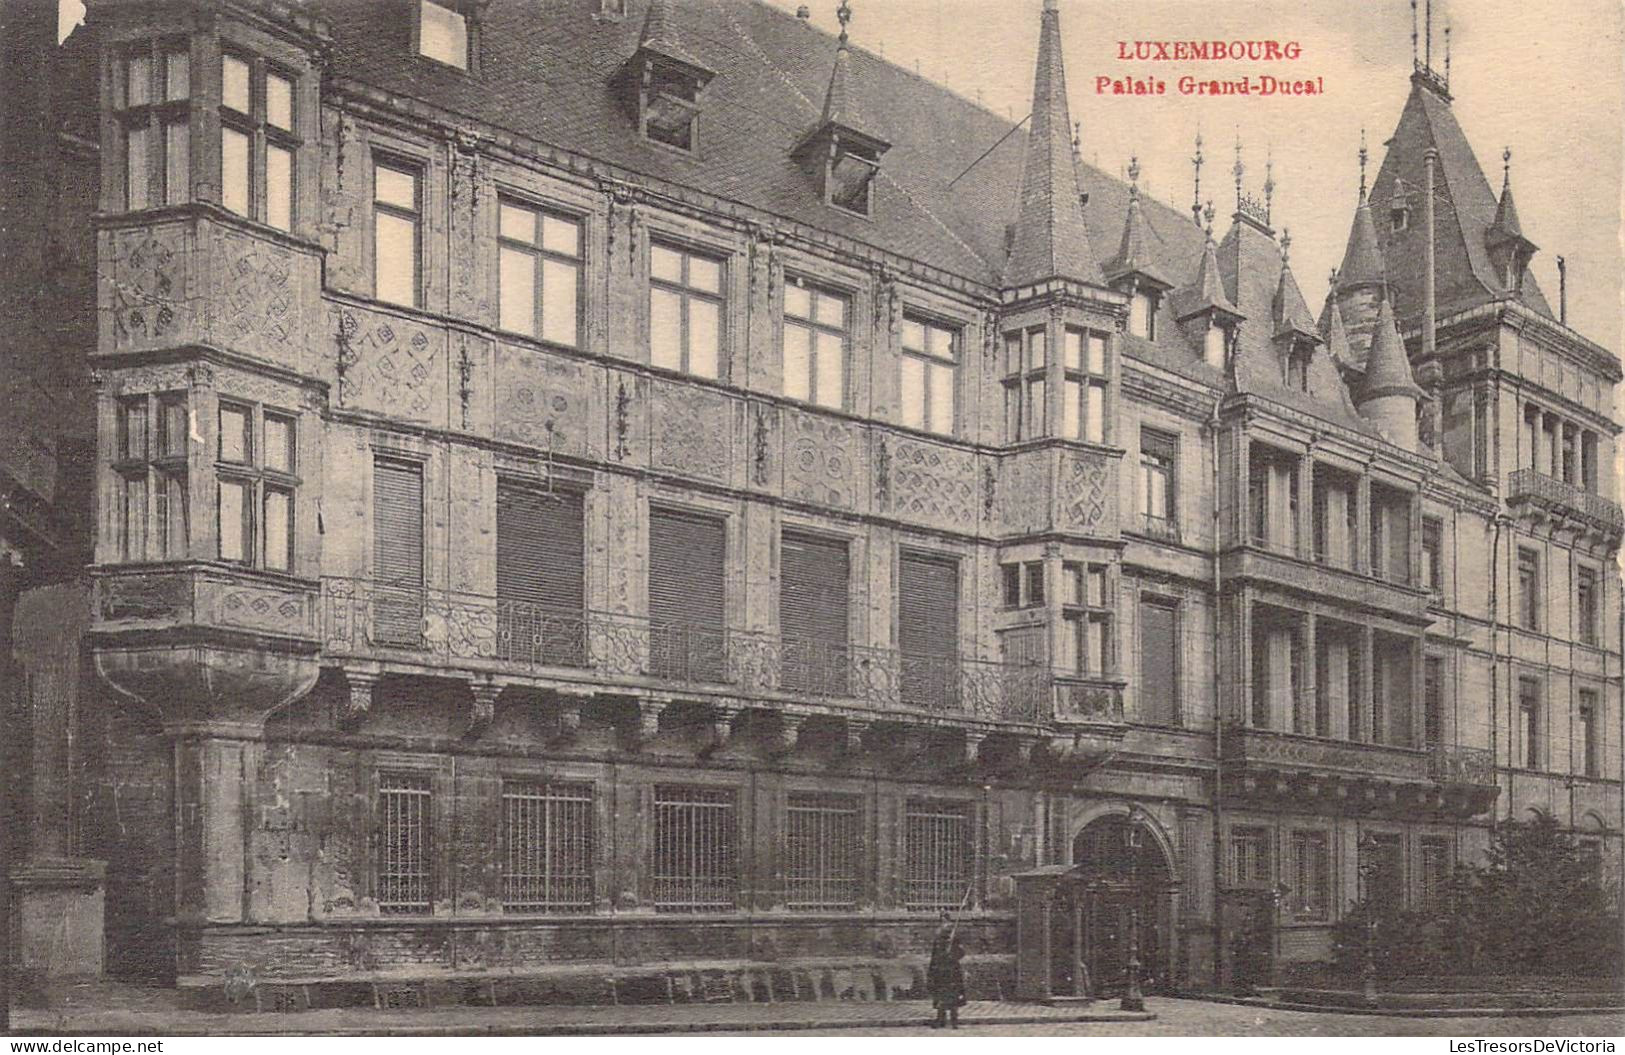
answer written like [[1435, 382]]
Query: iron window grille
[[1250, 857], [547, 838], [824, 849], [936, 855], [696, 852], [1435, 871], [405, 879], [539, 272], [1312, 865]]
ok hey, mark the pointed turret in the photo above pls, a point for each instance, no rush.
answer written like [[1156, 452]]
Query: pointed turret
[[1510, 250], [1050, 239], [1289, 310], [1203, 309], [843, 151], [1333, 332], [1388, 395], [1359, 282]]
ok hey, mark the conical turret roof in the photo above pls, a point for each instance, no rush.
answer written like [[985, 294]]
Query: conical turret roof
[[1132, 257], [1362, 259], [1206, 293], [1388, 368]]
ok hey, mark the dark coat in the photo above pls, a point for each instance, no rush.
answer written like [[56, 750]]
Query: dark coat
[[944, 975]]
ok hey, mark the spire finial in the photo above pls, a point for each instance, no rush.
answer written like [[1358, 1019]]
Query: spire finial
[[1134, 177], [1207, 214], [1415, 55], [1240, 169], [1447, 54], [1286, 246], [1196, 193], [1077, 138], [1269, 182], [1506, 167], [1427, 41], [843, 14], [1364, 155], [1331, 279]]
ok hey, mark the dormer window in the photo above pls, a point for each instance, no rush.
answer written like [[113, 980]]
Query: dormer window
[[1214, 342], [669, 113], [852, 170], [443, 34], [1297, 367], [1142, 314], [615, 9], [660, 84], [1400, 217]]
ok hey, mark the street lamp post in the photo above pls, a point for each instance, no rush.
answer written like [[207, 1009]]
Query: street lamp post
[[1133, 999]]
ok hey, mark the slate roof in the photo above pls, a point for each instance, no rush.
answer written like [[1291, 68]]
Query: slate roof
[[1388, 367], [1362, 258]]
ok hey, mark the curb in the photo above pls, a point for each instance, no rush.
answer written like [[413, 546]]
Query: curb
[[1406, 1012]]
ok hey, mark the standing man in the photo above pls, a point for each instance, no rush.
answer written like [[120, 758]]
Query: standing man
[[944, 976]]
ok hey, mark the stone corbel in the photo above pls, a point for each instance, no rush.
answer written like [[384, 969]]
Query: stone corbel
[[855, 729], [485, 707], [647, 725], [788, 735], [1061, 748], [1024, 751], [973, 747], [570, 705], [359, 704], [721, 728]]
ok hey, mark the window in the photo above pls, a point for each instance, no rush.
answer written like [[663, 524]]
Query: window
[[1297, 367], [151, 462], [1083, 391], [1531, 436], [1432, 700], [1024, 584], [815, 342], [256, 466], [1481, 434], [396, 246], [926, 384], [1025, 367], [405, 884], [1142, 314], [1570, 463], [538, 271], [540, 576], [258, 140], [153, 112], [1529, 725], [814, 614], [685, 311], [824, 851], [442, 34], [397, 552], [668, 103], [1086, 640], [1588, 729], [936, 855], [1435, 871], [928, 630], [1432, 555], [1334, 519], [1214, 340], [1250, 857], [1390, 534], [1159, 662], [1585, 604], [687, 596], [696, 849], [1311, 865], [1400, 217], [547, 842], [1382, 866], [1272, 499], [1529, 589], [1588, 460], [1158, 459]]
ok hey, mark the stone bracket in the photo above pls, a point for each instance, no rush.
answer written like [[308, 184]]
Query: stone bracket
[[788, 735], [646, 724], [721, 731], [570, 707], [484, 710], [358, 705]]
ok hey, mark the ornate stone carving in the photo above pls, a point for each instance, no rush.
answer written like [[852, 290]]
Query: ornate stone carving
[[542, 401], [759, 446], [1087, 490], [359, 702], [623, 404], [262, 608], [144, 597], [788, 735], [149, 277], [256, 303], [721, 728], [392, 364], [484, 707], [647, 724], [990, 490], [882, 472], [820, 459], [691, 432], [935, 484]]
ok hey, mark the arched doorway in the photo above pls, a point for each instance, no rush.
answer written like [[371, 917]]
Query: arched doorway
[[1129, 884]]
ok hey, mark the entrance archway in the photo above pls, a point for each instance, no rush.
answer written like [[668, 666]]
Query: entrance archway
[[1129, 883]]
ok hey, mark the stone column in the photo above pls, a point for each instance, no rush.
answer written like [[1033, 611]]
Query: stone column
[[1368, 681], [1361, 544], [1311, 684]]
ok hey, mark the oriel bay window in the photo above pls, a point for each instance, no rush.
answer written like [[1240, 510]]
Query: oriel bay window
[[1086, 629], [150, 463], [259, 140], [1026, 365], [1083, 386], [926, 381], [539, 272], [153, 89], [815, 344], [685, 311], [256, 469]]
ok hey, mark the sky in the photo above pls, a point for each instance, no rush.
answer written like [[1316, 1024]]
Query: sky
[[1544, 80]]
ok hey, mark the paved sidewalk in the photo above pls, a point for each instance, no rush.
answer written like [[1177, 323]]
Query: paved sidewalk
[[97, 1019]]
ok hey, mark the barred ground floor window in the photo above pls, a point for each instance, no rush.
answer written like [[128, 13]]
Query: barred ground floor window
[[696, 849], [937, 854], [824, 852], [547, 835], [1311, 862], [405, 884]]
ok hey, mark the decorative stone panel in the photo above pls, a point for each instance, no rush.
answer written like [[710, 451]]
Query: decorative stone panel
[[934, 484], [823, 460], [1088, 492], [542, 402], [1023, 494], [256, 304], [389, 365], [691, 431], [150, 295]]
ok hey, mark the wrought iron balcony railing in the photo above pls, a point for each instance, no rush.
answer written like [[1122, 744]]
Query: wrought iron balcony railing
[[362, 617], [1528, 485]]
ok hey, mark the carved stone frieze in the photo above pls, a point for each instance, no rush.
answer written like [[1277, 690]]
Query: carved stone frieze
[[1087, 490], [692, 432], [934, 484], [542, 401], [822, 459]]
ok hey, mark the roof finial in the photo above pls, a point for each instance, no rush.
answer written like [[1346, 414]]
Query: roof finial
[[1364, 155], [1196, 193], [1269, 182], [1506, 167], [1415, 56], [1134, 177], [1447, 54], [1286, 246], [1077, 139], [1240, 170], [844, 15], [1207, 214]]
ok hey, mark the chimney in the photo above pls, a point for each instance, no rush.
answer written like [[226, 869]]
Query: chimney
[[1562, 291], [1429, 307]]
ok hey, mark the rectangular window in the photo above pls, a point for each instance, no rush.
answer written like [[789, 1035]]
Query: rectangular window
[[1529, 589], [1435, 872], [1432, 700], [696, 858], [138, 167], [177, 162], [442, 34], [1311, 864], [405, 880], [1589, 747], [540, 576], [1250, 857], [236, 521], [170, 516], [926, 383], [814, 614], [236, 187], [1585, 604], [687, 596], [151, 460], [1570, 463], [1087, 641], [1083, 395], [278, 529], [133, 544], [1159, 453], [279, 102], [279, 187], [1529, 724], [1588, 460], [235, 76], [152, 98], [1481, 434], [936, 855], [547, 841], [1024, 585], [1025, 368], [539, 272], [815, 344], [235, 427], [1432, 555], [686, 311], [824, 852], [397, 552], [928, 630], [396, 249], [1159, 662]]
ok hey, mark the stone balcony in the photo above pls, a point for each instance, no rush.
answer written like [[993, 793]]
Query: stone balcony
[[414, 630], [1288, 571], [1267, 766], [1535, 491]]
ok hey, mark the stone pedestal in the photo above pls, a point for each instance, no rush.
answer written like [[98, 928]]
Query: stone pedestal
[[57, 915]]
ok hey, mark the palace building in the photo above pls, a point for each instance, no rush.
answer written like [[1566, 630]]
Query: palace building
[[513, 500]]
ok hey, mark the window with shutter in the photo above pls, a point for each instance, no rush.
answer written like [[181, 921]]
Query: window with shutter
[[397, 552], [928, 630], [814, 578], [540, 581], [1159, 663], [687, 596]]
